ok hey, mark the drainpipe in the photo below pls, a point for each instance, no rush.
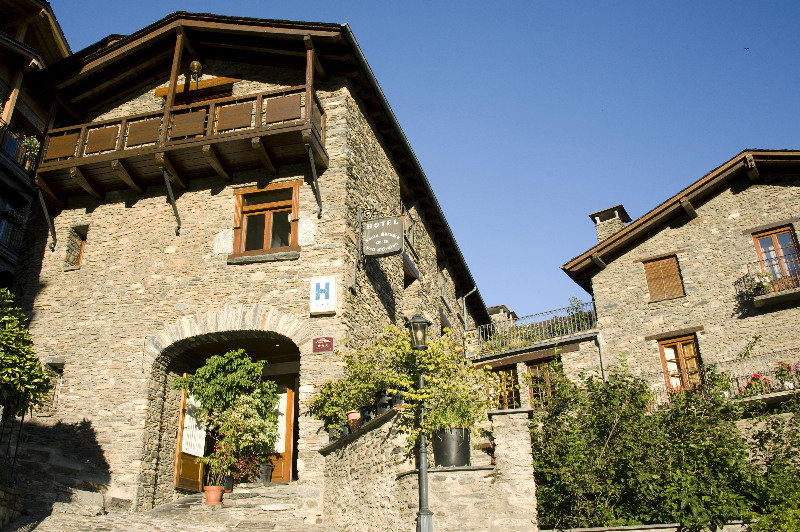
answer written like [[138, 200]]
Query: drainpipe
[[464, 306]]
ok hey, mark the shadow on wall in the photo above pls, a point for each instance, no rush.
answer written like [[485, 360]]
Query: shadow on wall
[[27, 281], [55, 460], [383, 287]]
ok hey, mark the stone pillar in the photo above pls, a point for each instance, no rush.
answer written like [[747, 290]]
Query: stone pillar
[[515, 485]]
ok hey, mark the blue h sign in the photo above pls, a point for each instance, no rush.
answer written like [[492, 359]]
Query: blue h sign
[[324, 292]]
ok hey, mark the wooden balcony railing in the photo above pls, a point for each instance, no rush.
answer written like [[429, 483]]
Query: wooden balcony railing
[[187, 124]]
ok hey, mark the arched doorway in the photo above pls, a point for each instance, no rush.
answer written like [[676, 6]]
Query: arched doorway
[[161, 467]]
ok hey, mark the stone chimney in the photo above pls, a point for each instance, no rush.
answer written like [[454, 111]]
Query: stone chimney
[[609, 221]]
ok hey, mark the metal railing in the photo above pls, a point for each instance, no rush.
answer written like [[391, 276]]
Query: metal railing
[[23, 149], [497, 337], [773, 275], [750, 377]]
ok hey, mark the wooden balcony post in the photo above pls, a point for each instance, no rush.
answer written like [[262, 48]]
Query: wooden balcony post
[[173, 82], [309, 79]]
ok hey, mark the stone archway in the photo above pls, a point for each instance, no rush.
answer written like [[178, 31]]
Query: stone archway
[[163, 350]]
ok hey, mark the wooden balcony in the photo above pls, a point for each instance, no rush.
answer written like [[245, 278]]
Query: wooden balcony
[[216, 137]]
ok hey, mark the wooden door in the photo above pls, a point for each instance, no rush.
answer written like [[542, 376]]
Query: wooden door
[[284, 445], [189, 446]]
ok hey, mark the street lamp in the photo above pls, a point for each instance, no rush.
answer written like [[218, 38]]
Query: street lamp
[[419, 342]]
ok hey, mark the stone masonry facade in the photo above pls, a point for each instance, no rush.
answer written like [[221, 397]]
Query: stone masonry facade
[[371, 478], [116, 323], [713, 251]]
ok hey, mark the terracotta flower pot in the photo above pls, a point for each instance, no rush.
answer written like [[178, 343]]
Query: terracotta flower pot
[[354, 419], [213, 494]]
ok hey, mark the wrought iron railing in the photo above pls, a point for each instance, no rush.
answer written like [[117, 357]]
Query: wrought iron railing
[[773, 275], [750, 377], [23, 149], [506, 335]]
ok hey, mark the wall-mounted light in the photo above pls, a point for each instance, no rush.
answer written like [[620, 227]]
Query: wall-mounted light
[[196, 67]]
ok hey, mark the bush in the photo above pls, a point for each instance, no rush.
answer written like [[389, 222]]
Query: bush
[[601, 458], [23, 383]]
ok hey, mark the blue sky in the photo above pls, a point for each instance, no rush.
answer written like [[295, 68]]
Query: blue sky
[[527, 116]]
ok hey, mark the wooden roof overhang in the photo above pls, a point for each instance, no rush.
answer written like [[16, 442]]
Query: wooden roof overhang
[[43, 34], [94, 77], [748, 163]]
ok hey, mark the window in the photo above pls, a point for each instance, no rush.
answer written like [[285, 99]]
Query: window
[[541, 386], [777, 254], [266, 219], [681, 362], [507, 388], [75, 248], [663, 278], [50, 402]]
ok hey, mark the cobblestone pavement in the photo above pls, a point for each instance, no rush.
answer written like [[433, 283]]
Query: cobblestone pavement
[[247, 510]]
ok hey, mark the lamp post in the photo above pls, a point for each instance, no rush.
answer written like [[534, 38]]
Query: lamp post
[[419, 342]]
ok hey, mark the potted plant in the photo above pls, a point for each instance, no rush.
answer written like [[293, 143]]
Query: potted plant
[[786, 374], [238, 408], [758, 385], [219, 464]]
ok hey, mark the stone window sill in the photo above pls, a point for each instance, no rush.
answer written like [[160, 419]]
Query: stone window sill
[[71, 268], [279, 254], [666, 299]]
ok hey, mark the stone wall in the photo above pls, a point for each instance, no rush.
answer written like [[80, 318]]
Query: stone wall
[[370, 479], [11, 505], [713, 251]]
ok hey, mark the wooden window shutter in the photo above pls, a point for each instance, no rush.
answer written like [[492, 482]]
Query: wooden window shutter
[[663, 278]]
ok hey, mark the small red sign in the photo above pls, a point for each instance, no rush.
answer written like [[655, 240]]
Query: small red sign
[[323, 344]]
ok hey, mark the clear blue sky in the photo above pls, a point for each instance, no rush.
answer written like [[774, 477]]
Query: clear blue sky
[[527, 116]]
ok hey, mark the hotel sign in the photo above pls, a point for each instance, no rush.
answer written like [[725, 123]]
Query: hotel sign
[[383, 236], [322, 298]]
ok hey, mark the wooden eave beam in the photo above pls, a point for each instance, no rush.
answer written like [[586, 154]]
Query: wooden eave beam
[[261, 152], [163, 162], [123, 173], [67, 105], [44, 187], [213, 161], [270, 31], [752, 169], [188, 45], [688, 208], [252, 48], [77, 176], [598, 261], [317, 65], [120, 80]]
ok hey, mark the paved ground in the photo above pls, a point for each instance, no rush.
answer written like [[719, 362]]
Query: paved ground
[[262, 508]]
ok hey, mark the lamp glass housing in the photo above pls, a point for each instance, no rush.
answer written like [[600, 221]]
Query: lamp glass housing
[[419, 332]]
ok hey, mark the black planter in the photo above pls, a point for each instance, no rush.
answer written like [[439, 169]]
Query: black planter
[[367, 414], [451, 447], [227, 484], [266, 473]]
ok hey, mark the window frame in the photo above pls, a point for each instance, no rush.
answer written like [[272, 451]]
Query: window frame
[[540, 368], [773, 233], [683, 372], [661, 278], [242, 211]]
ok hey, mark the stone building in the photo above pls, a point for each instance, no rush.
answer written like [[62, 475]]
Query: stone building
[[30, 40], [709, 276], [206, 179]]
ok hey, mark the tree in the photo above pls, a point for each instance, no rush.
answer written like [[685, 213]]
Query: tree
[[23, 383]]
